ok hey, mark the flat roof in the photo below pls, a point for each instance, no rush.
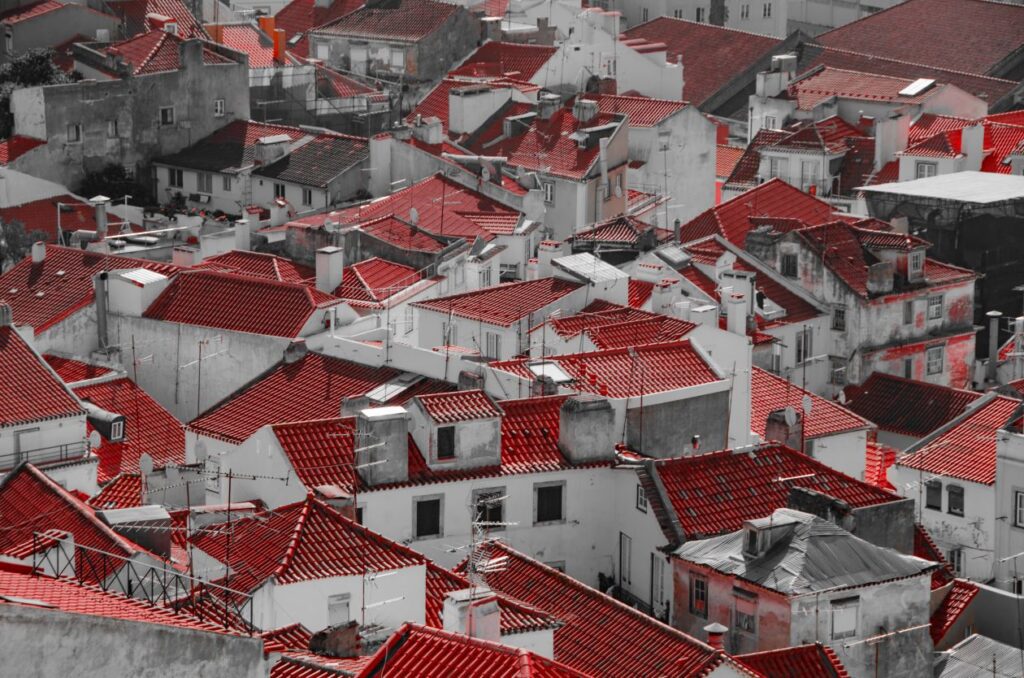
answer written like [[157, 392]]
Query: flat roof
[[974, 187]]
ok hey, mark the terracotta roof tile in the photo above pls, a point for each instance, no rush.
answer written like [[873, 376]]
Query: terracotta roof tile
[[656, 330], [313, 387], [712, 56], [156, 52], [299, 16], [621, 230], [496, 59], [259, 265], [71, 371], [435, 103], [925, 547], [375, 280], [247, 38], [134, 16], [614, 373], [291, 637], [42, 215], [319, 162], [308, 665], [769, 393], [30, 11], [967, 448], [878, 459], [448, 408], [726, 159], [31, 392], [239, 303], [639, 292], [402, 20], [149, 429], [642, 111], [804, 661], [14, 147], [231, 147], [713, 493], [817, 87], [123, 491], [503, 304], [957, 599], [922, 407]]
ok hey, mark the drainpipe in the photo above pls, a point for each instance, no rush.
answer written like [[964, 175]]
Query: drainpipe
[[100, 286]]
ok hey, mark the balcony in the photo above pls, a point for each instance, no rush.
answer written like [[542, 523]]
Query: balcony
[[42, 456]]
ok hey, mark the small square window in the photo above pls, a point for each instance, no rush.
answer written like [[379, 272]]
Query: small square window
[[933, 495], [956, 500], [218, 108], [549, 502], [926, 169], [74, 134], [117, 431], [166, 116], [427, 514], [446, 442], [175, 177], [747, 623], [934, 356], [489, 507], [641, 499], [1018, 508], [698, 595], [916, 261], [839, 319]]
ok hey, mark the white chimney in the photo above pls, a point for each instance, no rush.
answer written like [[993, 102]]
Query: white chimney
[[38, 252], [330, 263], [547, 251], [736, 313], [531, 269], [100, 203], [704, 315], [242, 235], [474, 613]]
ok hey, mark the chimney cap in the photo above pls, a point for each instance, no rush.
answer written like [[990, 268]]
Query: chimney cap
[[99, 199], [715, 627]]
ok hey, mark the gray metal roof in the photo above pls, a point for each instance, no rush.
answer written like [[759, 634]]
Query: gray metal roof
[[980, 657], [980, 188], [803, 554]]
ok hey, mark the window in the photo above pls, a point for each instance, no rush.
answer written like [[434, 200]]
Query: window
[[485, 277], [803, 345], [307, 196], [933, 495], [808, 174], [1017, 587], [218, 108], [641, 499], [213, 475], [916, 261], [226, 183], [955, 495], [117, 431], [767, 10], [409, 319], [74, 134], [700, 15], [643, 14], [934, 356], [744, 11], [926, 169], [460, 274], [549, 502], [844, 618], [698, 595], [427, 517], [908, 313], [9, 43], [777, 167], [204, 182], [450, 334], [625, 559], [839, 319], [549, 188], [837, 373], [935, 307], [768, 122], [908, 368], [112, 129], [492, 348], [745, 622], [489, 507], [789, 265], [955, 557], [1018, 508], [751, 543], [278, 190], [677, 14], [446, 442], [175, 177], [166, 116], [338, 609], [359, 514], [657, 580]]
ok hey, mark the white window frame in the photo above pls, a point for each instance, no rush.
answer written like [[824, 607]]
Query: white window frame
[[924, 169], [175, 177], [280, 191], [1018, 508], [700, 15], [204, 182], [117, 430], [492, 345], [641, 498], [226, 182], [955, 558], [336, 603], [935, 307], [845, 618], [549, 192], [934, 359], [307, 196]]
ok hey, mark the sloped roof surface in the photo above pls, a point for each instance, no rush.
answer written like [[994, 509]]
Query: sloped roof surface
[[642, 111], [957, 599], [815, 88], [259, 265], [804, 661], [133, 14], [502, 304], [495, 59], [375, 280], [30, 391], [71, 371], [404, 20], [156, 52], [769, 393], [16, 146], [123, 491], [318, 162], [299, 16], [231, 147], [906, 406]]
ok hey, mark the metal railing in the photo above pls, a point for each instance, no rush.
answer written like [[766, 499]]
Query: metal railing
[[156, 585], [44, 455]]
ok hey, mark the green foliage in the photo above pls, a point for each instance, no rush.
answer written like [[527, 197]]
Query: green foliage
[[15, 243]]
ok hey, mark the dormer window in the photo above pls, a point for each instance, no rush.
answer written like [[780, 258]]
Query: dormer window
[[117, 431], [916, 261], [446, 442], [789, 262], [752, 542]]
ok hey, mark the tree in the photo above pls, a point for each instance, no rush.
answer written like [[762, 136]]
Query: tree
[[33, 68], [114, 182], [15, 243]]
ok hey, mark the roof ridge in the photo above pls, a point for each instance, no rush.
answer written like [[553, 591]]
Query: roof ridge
[[880, 57], [702, 25], [293, 542]]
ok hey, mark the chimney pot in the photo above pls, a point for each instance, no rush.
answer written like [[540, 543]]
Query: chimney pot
[[330, 262], [716, 635], [38, 252]]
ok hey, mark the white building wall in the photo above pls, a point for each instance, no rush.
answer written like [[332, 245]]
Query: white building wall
[[645, 539], [1009, 532], [845, 452]]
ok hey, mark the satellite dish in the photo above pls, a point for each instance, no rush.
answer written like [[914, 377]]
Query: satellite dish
[[414, 216], [485, 174], [146, 464], [789, 414], [95, 440], [806, 402], [201, 452]]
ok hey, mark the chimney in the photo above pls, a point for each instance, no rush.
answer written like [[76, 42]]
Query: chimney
[[295, 351], [38, 252], [147, 526], [185, 256], [663, 295], [706, 314], [473, 612], [242, 235], [280, 44], [532, 269], [677, 231], [547, 104], [585, 110], [736, 313], [993, 345], [824, 506], [6, 319], [880, 277], [716, 635], [586, 429], [266, 24], [785, 426], [382, 445], [99, 282], [340, 641], [547, 251], [330, 264], [428, 130], [100, 203]]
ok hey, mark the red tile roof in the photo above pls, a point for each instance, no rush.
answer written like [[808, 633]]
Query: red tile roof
[[803, 661], [942, 145], [922, 407], [319, 162], [298, 16], [769, 393], [71, 371], [878, 459], [957, 599], [827, 135], [311, 388], [639, 292], [259, 265], [248, 39], [30, 11], [231, 147], [308, 665], [304, 541], [890, 173], [999, 142], [925, 548], [30, 502], [239, 303], [448, 408], [435, 103], [655, 368], [401, 20], [413, 647], [774, 198], [621, 230], [819, 86], [504, 60], [134, 16], [973, 36], [400, 234], [43, 294], [502, 304], [966, 448], [642, 111], [156, 52], [42, 215], [712, 56], [291, 637], [149, 428], [639, 646], [726, 159], [713, 493], [14, 147], [31, 391], [375, 280], [123, 491], [596, 313], [331, 84], [656, 330]]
